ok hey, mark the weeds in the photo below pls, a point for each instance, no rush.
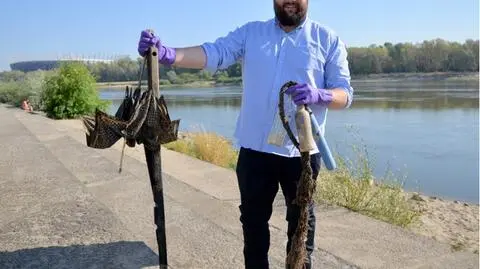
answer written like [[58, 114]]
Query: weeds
[[352, 185], [208, 147]]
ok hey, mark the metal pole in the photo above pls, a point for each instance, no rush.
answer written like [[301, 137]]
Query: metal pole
[[154, 164]]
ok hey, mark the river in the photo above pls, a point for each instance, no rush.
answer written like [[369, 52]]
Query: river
[[424, 132]]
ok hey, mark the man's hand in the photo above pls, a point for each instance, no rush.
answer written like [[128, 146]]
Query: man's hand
[[336, 98], [304, 94], [166, 55]]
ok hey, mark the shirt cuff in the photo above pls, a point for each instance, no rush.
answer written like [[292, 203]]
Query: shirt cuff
[[211, 54], [349, 92]]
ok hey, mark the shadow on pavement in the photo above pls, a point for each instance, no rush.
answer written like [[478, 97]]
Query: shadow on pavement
[[118, 255]]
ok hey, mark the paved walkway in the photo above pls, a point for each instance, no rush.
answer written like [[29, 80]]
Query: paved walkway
[[64, 205]]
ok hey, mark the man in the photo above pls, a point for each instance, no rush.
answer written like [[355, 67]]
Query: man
[[288, 47]]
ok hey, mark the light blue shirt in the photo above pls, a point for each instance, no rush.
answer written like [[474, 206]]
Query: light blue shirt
[[270, 57]]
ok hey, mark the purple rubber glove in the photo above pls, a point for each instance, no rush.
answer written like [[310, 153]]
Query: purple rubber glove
[[304, 94], [166, 55]]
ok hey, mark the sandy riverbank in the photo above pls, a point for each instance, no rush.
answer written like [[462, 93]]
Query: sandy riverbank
[[453, 222], [197, 84], [411, 77]]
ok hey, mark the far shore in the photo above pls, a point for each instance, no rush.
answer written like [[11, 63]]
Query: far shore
[[453, 77], [120, 85]]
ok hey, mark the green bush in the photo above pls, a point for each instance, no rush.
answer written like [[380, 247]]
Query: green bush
[[187, 77], [9, 76], [16, 88], [10, 92], [164, 82], [71, 93]]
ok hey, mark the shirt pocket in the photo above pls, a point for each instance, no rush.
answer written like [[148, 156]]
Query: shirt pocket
[[306, 57], [306, 64]]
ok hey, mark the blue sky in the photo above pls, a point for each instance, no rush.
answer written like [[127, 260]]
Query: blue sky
[[37, 30]]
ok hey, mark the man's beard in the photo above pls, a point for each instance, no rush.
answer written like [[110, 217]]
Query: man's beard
[[289, 20]]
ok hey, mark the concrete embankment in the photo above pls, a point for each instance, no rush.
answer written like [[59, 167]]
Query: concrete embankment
[[64, 205]]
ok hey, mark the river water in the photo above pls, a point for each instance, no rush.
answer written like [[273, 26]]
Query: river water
[[426, 133]]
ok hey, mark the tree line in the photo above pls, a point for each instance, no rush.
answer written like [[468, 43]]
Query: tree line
[[436, 55], [430, 56]]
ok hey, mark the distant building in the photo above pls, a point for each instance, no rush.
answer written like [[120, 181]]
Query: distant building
[[28, 66]]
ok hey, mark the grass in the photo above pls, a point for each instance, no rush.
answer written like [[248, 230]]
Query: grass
[[207, 147], [352, 185], [360, 193]]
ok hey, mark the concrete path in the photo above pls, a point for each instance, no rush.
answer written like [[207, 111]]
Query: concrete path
[[64, 205]]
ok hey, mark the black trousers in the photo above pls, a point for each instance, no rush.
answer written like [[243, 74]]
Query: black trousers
[[259, 176]]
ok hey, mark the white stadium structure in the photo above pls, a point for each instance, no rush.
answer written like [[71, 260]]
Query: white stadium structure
[[27, 66]]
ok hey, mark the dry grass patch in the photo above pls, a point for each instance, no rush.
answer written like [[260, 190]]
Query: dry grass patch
[[208, 147]]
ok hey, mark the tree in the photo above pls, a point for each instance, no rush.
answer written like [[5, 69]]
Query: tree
[[172, 76], [71, 93]]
